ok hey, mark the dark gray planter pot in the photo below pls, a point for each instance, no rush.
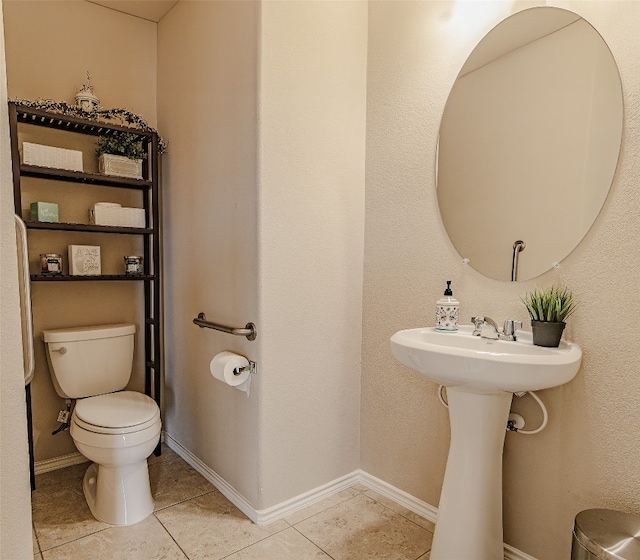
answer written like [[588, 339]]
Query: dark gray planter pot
[[546, 333]]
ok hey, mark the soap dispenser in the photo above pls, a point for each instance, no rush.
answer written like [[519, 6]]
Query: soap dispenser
[[447, 311]]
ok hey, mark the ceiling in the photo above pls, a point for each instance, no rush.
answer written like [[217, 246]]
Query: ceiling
[[153, 10]]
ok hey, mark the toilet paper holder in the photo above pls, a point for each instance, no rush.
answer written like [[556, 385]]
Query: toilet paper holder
[[252, 367]]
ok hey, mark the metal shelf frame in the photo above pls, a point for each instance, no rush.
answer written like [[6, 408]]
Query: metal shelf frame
[[151, 235]]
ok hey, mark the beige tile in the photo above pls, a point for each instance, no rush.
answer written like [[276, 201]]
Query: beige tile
[[210, 527], [316, 508], [36, 548], [62, 515], [166, 453], [173, 481], [410, 515], [69, 476], [359, 487], [37, 557], [146, 540], [285, 545], [361, 528]]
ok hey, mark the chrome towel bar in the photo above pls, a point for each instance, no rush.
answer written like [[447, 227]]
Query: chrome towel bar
[[249, 330]]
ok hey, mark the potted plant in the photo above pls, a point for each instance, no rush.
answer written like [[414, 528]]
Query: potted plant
[[121, 155], [548, 309]]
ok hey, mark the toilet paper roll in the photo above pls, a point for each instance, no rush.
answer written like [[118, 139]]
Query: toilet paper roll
[[224, 364]]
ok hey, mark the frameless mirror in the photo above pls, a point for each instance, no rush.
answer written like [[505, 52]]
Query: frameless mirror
[[529, 142]]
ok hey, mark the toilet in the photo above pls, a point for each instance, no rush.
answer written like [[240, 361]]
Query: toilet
[[117, 430]]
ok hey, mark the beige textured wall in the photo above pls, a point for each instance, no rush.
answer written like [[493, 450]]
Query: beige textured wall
[[51, 44], [120, 53], [276, 240], [15, 505], [311, 215], [588, 455], [207, 103]]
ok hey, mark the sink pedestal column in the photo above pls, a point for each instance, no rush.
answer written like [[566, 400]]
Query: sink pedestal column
[[469, 523]]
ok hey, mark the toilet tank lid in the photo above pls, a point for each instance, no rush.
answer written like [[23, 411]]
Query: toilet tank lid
[[88, 333]]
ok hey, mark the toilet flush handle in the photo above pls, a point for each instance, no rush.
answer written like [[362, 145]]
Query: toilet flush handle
[[62, 350]]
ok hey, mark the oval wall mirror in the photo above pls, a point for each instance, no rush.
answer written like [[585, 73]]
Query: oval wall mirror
[[529, 142]]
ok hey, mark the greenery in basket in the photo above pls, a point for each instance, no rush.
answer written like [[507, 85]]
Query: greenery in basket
[[553, 304], [122, 144]]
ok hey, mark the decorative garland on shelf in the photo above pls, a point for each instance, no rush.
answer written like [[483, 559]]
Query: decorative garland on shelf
[[124, 116]]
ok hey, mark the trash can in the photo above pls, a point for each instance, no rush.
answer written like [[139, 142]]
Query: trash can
[[606, 534]]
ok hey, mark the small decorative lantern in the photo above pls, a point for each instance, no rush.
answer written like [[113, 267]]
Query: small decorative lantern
[[86, 99]]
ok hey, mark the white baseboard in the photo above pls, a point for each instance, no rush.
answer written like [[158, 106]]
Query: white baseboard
[[283, 509], [59, 462], [214, 478], [423, 509], [306, 499], [264, 516]]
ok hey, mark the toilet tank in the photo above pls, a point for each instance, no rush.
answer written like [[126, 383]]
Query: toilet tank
[[87, 361]]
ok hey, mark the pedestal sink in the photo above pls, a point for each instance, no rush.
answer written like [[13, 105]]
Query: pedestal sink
[[481, 376]]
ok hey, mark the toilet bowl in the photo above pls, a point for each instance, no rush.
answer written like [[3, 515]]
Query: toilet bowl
[[115, 429], [116, 486]]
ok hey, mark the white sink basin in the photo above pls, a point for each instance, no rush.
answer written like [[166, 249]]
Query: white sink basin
[[458, 359]]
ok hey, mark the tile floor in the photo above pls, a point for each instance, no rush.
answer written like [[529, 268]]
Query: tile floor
[[194, 521]]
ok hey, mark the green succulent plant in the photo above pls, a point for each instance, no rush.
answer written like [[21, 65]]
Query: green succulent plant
[[122, 144], [552, 304]]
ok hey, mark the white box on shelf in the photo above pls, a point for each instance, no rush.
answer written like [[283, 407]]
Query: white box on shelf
[[84, 260], [132, 217], [112, 214], [105, 214], [120, 166], [50, 156]]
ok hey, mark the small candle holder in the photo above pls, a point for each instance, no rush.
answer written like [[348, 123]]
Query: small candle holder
[[133, 266], [50, 263]]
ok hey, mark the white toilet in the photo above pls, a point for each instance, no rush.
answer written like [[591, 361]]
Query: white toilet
[[115, 429]]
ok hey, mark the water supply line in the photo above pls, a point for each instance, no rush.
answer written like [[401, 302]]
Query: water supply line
[[510, 425], [545, 416]]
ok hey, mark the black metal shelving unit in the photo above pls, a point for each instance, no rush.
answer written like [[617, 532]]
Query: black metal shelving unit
[[151, 234]]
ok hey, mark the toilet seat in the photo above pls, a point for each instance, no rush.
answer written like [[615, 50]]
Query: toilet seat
[[123, 412]]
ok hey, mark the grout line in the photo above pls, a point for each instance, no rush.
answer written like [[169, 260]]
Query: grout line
[[171, 536], [359, 493], [35, 536], [400, 514], [314, 544], [256, 542], [185, 500], [43, 550]]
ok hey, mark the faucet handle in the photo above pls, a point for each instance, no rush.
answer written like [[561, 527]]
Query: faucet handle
[[477, 324], [510, 327]]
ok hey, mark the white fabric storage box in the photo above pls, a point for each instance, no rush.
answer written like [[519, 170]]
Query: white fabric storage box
[[105, 214], [112, 214], [50, 156], [132, 217]]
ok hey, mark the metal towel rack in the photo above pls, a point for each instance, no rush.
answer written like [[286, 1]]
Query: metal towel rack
[[249, 330]]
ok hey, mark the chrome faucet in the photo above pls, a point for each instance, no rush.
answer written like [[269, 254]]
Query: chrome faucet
[[508, 331]]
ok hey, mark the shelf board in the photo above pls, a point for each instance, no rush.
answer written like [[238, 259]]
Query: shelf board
[[81, 177], [95, 127], [88, 228], [101, 277]]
